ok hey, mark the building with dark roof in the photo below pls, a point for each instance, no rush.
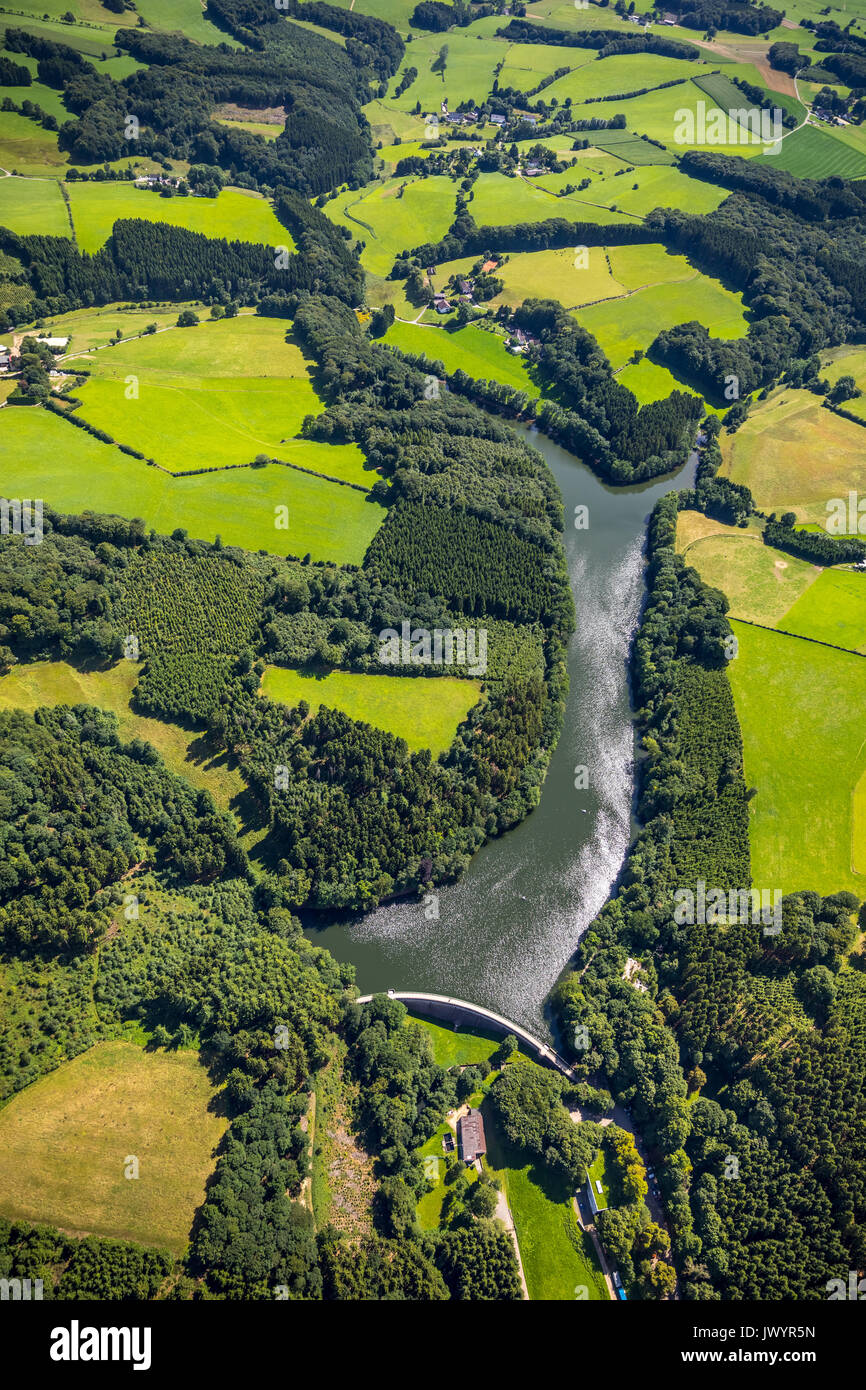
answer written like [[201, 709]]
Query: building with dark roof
[[471, 1143]]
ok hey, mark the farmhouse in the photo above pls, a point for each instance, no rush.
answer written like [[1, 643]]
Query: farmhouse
[[5, 356], [471, 1143]]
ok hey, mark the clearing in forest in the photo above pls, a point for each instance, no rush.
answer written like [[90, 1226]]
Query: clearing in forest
[[233, 214], [66, 1141], [424, 710]]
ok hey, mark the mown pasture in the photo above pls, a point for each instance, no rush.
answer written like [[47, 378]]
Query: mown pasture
[[799, 706], [212, 396], [33, 207], [813, 153], [74, 472], [833, 610], [761, 584], [65, 1142], [795, 455], [627, 325], [425, 711], [233, 214], [395, 216]]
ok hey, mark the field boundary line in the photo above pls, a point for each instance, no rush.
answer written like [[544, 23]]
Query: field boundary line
[[800, 637]]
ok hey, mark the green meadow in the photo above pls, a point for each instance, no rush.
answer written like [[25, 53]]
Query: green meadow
[[498, 201], [97, 328], [813, 153], [800, 706], [389, 220], [75, 473], [847, 361], [425, 711], [38, 683], [606, 77], [469, 68], [795, 455], [33, 207], [832, 610], [64, 1141], [479, 353], [649, 382], [760, 583], [458, 1047], [236, 215], [183, 17], [561, 273], [212, 396], [625, 325], [25, 148], [654, 186]]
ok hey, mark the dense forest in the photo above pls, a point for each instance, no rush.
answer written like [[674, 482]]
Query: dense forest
[[151, 260], [319, 84]]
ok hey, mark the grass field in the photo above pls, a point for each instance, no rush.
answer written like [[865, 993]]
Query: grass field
[[456, 1047], [624, 72], [389, 221], [800, 710], [795, 455], [649, 382], [833, 610], [498, 201], [560, 274], [183, 17], [658, 115], [813, 153], [631, 149], [233, 214], [186, 753], [558, 1259], [469, 68], [33, 207], [76, 472], [96, 328], [213, 396], [64, 1142], [25, 148], [653, 186], [479, 353], [761, 583], [624, 325], [267, 132], [847, 361], [425, 711]]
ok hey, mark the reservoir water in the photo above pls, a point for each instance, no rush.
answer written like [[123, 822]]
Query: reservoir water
[[505, 933]]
